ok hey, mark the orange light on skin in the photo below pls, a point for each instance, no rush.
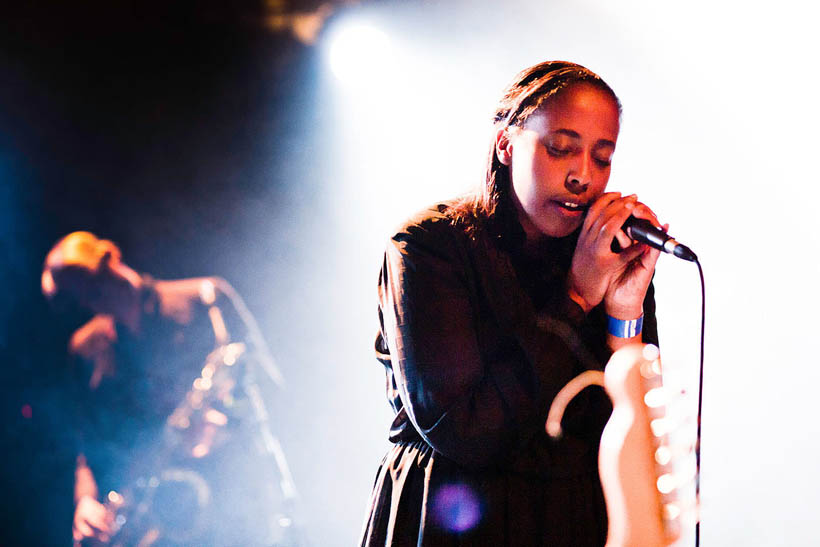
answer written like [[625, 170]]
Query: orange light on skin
[[47, 284]]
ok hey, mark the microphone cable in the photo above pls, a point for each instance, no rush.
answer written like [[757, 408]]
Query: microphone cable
[[700, 401]]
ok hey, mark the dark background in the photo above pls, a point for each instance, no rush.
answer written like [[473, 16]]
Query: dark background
[[170, 130]]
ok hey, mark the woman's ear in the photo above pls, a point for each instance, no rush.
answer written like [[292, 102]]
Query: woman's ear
[[503, 146]]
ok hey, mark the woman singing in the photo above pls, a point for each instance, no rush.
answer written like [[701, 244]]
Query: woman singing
[[488, 306]]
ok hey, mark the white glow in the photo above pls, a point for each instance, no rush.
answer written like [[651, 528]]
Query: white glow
[[409, 133], [359, 54], [717, 135]]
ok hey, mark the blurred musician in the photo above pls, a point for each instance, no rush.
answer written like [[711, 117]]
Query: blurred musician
[[174, 443]]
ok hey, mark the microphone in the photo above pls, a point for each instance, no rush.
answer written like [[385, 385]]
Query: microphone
[[643, 231]]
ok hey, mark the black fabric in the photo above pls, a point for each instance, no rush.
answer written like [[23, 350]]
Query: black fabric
[[477, 336]]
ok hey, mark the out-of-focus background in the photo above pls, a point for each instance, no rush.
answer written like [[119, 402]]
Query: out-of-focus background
[[276, 142]]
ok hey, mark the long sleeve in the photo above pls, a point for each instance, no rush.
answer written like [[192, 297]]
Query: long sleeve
[[471, 392]]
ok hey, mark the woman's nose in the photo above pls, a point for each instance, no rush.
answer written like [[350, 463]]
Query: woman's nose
[[575, 185], [580, 177]]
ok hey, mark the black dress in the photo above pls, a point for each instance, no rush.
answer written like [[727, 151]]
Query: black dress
[[477, 337]]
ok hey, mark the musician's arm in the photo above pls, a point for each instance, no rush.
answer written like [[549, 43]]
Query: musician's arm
[[84, 482], [91, 518], [91, 343]]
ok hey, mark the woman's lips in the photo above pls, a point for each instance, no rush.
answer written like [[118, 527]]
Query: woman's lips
[[571, 206]]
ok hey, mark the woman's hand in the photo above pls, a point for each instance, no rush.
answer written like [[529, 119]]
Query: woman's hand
[[600, 275]]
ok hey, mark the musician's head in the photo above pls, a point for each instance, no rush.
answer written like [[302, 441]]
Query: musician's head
[[556, 126], [89, 272]]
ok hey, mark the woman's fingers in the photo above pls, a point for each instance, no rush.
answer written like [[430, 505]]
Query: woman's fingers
[[620, 215], [623, 239], [631, 252], [612, 219], [644, 212], [597, 270], [595, 211]]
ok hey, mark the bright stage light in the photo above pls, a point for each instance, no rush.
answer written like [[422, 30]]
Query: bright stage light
[[359, 53]]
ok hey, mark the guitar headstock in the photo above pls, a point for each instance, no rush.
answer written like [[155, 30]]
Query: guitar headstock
[[646, 460], [646, 464]]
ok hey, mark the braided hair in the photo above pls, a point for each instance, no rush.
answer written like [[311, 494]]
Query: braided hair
[[529, 89]]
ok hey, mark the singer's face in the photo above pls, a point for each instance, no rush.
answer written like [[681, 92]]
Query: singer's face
[[560, 159]]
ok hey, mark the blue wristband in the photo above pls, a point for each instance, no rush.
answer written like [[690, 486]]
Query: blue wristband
[[624, 329]]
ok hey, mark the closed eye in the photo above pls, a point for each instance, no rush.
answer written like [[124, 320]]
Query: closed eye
[[558, 152]]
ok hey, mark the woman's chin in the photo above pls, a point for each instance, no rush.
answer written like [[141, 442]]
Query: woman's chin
[[558, 229]]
